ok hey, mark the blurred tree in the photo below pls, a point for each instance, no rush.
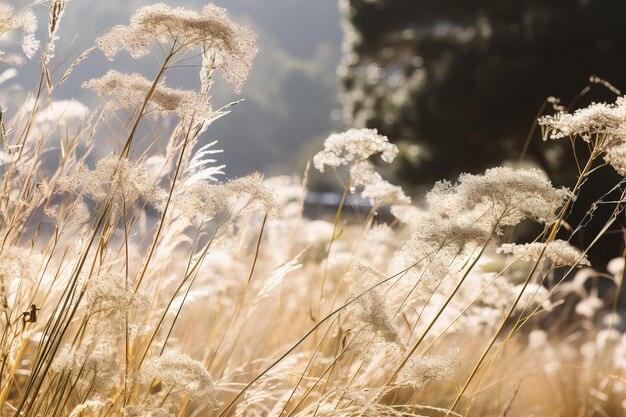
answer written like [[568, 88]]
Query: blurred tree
[[457, 83]]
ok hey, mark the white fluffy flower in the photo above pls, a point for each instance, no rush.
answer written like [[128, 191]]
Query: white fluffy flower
[[131, 89], [179, 372], [608, 120], [375, 188], [23, 20], [559, 252], [225, 44], [509, 195], [354, 145]]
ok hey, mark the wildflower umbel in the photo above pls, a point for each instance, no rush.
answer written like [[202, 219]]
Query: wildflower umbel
[[510, 195], [130, 89], [372, 309], [225, 44], [354, 145], [425, 368], [375, 188], [607, 120], [179, 373], [601, 124], [560, 252], [201, 200], [121, 181]]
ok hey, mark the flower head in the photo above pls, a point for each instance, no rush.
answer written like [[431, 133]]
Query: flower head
[[198, 201], [372, 309], [225, 44], [602, 124], [354, 145], [130, 89], [179, 372], [121, 181], [425, 368], [375, 188], [510, 195], [604, 119], [560, 252]]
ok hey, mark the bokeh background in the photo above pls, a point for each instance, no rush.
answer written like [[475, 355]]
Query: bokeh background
[[456, 84]]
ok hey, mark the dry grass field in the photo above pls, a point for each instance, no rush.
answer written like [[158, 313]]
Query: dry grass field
[[136, 281]]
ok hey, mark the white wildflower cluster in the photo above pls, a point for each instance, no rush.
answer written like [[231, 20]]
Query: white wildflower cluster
[[440, 244], [354, 145], [201, 201], [108, 295], [616, 157], [250, 194], [92, 365], [589, 306], [448, 236], [371, 310], [375, 188], [18, 267], [16, 262], [129, 90], [118, 180], [559, 252], [225, 44], [180, 375], [597, 119], [407, 214], [601, 124], [463, 218], [507, 195], [23, 20], [425, 368], [353, 148], [439, 247]]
